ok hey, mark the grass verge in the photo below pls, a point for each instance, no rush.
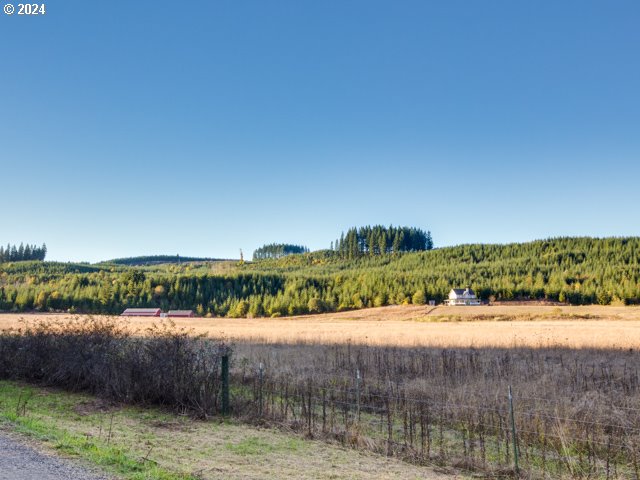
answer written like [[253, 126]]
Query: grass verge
[[149, 443], [33, 412]]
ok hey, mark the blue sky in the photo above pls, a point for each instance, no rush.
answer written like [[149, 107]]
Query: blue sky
[[199, 128]]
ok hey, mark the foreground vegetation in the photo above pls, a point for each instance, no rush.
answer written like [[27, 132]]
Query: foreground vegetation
[[161, 365], [576, 412], [571, 270], [148, 443], [46, 416]]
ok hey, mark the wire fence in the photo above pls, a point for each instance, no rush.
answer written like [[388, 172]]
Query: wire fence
[[529, 437]]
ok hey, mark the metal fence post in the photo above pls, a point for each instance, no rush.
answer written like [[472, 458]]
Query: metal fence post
[[358, 394], [260, 383], [225, 383], [513, 431]]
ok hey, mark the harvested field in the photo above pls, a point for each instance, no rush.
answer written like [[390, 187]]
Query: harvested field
[[484, 326]]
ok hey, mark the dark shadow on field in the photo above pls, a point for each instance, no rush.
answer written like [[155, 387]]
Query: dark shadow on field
[[576, 412]]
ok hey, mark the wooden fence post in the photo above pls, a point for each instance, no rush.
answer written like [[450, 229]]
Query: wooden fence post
[[513, 430]]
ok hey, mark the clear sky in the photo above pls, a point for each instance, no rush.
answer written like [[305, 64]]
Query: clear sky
[[203, 127]]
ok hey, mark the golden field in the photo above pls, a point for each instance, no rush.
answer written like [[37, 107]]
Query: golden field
[[483, 326]]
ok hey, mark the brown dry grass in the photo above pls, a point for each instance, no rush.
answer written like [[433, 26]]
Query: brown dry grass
[[484, 326]]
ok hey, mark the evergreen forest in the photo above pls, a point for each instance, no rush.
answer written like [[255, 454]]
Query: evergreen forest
[[11, 253], [278, 250], [380, 240], [157, 259], [574, 270]]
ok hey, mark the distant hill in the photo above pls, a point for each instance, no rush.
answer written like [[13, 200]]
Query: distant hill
[[158, 259], [570, 270], [48, 269]]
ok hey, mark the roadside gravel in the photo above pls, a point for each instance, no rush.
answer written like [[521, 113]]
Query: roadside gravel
[[21, 461]]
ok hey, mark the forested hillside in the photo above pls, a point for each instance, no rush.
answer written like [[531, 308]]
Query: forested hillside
[[574, 270]]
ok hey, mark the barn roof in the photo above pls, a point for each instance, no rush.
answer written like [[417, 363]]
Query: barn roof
[[180, 312], [141, 310]]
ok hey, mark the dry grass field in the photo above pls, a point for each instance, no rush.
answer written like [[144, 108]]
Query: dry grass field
[[483, 326]]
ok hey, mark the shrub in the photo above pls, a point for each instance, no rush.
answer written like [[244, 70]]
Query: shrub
[[104, 356]]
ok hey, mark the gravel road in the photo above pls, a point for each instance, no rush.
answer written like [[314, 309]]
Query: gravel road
[[21, 461]]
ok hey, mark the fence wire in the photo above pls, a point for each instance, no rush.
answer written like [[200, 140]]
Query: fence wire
[[432, 430]]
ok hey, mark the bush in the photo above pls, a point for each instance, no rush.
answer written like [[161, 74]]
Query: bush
[[103, 356]]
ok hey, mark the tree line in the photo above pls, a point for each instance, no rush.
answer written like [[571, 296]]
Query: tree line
[[157, 259], [22, 253], [278, 250], [572, 270], [380, 240]]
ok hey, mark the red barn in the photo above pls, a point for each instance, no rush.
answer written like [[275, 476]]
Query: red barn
[[180, 313], [141, 312]]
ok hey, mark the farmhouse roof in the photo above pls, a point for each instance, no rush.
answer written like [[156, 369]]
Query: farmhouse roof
[[460, 291]]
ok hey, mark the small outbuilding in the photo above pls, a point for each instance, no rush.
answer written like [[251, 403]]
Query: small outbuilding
[[180, 313], [141, 312], [462, 296]]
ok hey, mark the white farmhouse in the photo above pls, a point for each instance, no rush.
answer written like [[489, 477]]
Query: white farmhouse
[[459, 296]]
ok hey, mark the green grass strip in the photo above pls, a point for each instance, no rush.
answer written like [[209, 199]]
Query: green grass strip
[[35, 415]]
